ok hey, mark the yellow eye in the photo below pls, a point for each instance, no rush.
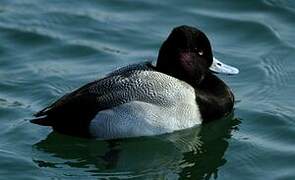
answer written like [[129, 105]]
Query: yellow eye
[[201, 53]]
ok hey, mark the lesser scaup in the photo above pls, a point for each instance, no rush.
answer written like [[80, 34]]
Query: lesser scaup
[[142, 99]]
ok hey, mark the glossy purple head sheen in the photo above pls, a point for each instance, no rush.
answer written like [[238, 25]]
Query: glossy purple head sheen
[[186, 55]]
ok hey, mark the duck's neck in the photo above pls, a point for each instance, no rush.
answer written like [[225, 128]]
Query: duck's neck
[[214, 98]]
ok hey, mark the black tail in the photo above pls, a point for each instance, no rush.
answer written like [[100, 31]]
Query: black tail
[[43, 121]]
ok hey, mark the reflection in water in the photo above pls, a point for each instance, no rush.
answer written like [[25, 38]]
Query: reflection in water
[[196, 152], [215, 142]]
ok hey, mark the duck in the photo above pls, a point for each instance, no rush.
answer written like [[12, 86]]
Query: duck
[[179, 92]]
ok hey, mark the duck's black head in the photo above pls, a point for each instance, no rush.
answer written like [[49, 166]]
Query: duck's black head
[[186, 54]]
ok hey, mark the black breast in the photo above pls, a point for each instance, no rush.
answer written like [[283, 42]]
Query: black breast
[[214, 98]]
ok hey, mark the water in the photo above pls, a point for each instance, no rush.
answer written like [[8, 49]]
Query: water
[[49, 48]]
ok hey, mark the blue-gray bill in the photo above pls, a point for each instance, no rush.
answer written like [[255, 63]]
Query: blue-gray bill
[[219, 67]]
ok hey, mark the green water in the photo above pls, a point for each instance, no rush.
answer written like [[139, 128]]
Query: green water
[[48, 48]]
